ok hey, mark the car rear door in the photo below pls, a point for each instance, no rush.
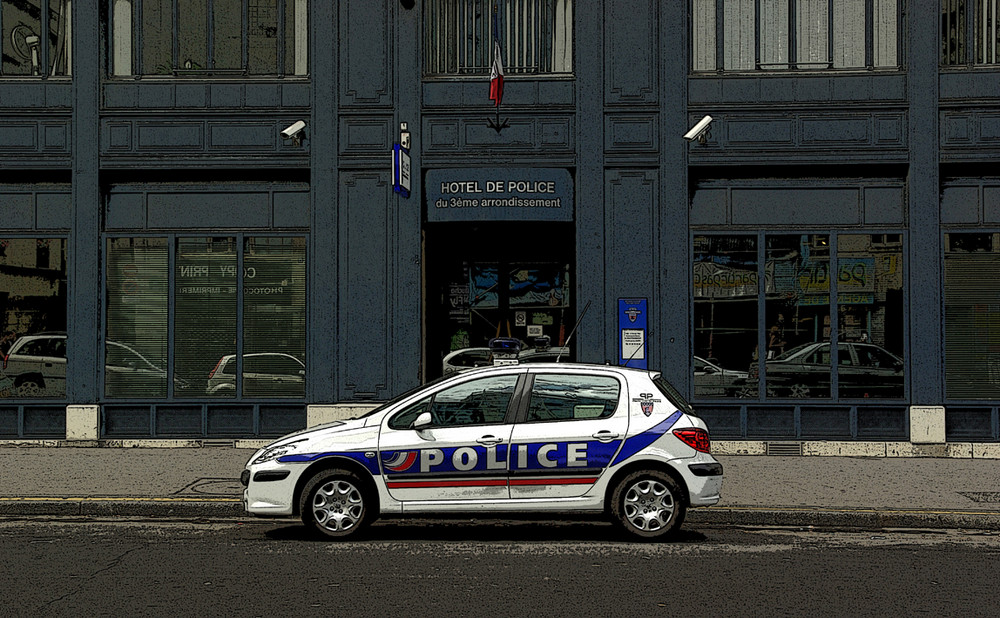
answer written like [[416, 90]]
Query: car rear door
[[567, 433], [462, 455]]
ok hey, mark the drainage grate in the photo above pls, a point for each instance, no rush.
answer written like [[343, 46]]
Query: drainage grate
[[992, 497], [215, 443], [784, 448]]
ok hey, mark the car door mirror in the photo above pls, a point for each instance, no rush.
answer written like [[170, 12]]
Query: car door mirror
[[422, 421]]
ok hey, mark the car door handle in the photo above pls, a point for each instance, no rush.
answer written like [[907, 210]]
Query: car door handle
[[605, 436], [489, 440]]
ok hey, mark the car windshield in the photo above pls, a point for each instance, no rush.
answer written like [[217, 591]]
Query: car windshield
[[399, 398]]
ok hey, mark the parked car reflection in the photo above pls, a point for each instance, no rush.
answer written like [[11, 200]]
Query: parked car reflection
[[864, 370], [712, 380], [467, 358], [265, 374], [35, 366]]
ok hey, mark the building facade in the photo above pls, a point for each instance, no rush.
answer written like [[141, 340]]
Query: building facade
[[204, 235]]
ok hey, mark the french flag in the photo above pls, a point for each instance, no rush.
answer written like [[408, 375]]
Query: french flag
[[496, 70]]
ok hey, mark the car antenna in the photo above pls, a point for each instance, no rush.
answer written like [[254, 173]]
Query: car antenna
[[573, 332], [639, 347]]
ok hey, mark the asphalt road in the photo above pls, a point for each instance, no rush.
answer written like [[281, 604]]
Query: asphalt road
[[259, 568]]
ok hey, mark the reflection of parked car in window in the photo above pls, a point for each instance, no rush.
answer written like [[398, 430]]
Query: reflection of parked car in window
[[37, 365], [711, 380], [467, 358], [265, 374], [864, 370]]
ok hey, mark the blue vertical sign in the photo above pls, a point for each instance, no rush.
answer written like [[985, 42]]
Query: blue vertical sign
[[632, 332]]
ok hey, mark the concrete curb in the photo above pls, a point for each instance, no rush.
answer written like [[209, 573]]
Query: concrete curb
[[232, 508]]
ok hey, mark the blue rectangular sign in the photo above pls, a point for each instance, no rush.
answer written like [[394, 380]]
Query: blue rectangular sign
[[499, 194], [633, 332]]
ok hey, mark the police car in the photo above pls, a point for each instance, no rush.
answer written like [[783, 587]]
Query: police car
[[539, 438]]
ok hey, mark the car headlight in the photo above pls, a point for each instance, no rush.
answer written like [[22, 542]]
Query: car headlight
[[275, 452]]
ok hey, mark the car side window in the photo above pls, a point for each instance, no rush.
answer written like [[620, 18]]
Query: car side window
[[556, 397], [403, 420], [473, 403]]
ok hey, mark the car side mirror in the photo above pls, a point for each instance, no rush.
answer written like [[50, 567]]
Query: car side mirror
[[422, 421]]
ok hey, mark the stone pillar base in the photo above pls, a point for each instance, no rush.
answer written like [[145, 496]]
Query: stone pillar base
[[83, 422], [927, 424]]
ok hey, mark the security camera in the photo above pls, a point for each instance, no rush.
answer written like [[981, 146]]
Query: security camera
[[294, 129], [699, 130]]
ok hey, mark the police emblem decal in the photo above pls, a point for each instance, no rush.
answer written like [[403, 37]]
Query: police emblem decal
[[632, 313], [646, 401]]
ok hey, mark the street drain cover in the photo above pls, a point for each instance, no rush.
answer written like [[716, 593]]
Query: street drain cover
[[982, 496]]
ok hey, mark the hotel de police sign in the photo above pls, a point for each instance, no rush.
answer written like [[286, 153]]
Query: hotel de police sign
[[499, 194]]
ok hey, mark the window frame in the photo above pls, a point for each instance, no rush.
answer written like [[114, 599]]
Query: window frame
[[529, 392], [234, 366], [46, 51], [117, 54], [757, 380], [791, 42]]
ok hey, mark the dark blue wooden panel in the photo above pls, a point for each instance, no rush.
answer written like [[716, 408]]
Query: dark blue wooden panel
[[18, 210], [631, 30], [366, 68], [230, 421], [195, 210], [291, 209], [960, 205], [796, 206], [884, 205], [364, 283], [53, 210]]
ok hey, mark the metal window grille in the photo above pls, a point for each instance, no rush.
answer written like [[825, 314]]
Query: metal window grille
[[208, 37], [970, 33], [26, 49], [771, 35], [535, 36]]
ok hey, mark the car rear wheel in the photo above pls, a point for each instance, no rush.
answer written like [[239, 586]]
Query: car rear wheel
[[648, 505], [29, 388], [336, 505]]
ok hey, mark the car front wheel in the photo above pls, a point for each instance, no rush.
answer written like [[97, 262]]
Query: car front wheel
[[336, 505], [647, 504]]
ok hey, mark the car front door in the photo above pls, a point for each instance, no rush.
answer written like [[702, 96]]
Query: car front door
[[572, 426], [462, 454]]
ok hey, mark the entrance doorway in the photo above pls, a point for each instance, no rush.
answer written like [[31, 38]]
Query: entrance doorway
[[496, 279]]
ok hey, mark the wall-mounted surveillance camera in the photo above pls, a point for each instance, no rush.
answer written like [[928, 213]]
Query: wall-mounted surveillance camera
[[699, 131], [294, 129], [294, 132]]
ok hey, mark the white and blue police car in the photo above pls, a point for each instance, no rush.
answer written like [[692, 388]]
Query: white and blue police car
[[539, 438]]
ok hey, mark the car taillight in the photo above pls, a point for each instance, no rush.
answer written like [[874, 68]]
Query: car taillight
[[214, 369], [695, 438], [5, 357]]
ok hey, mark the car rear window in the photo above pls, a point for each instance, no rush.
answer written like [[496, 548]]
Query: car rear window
[[672, 394]]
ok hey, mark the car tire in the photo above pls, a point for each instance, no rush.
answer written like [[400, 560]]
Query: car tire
[[336, 505], [648, 505], [28, 388]]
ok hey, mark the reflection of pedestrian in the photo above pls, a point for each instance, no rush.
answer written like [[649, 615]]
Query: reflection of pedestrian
[[776, 338]]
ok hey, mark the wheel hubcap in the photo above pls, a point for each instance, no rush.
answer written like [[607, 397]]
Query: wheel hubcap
[[338, 506], [649, 505]]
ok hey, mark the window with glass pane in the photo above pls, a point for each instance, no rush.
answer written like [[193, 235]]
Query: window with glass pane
[[135, 363], [536, 36], [572, 397], [794, 34], [205, 313], [870, 315], [33, 317], [797, 315], [726, 286], [482, 401], [209, 37], [29, 48], [274, 316], [963, 21], [972, 315]]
